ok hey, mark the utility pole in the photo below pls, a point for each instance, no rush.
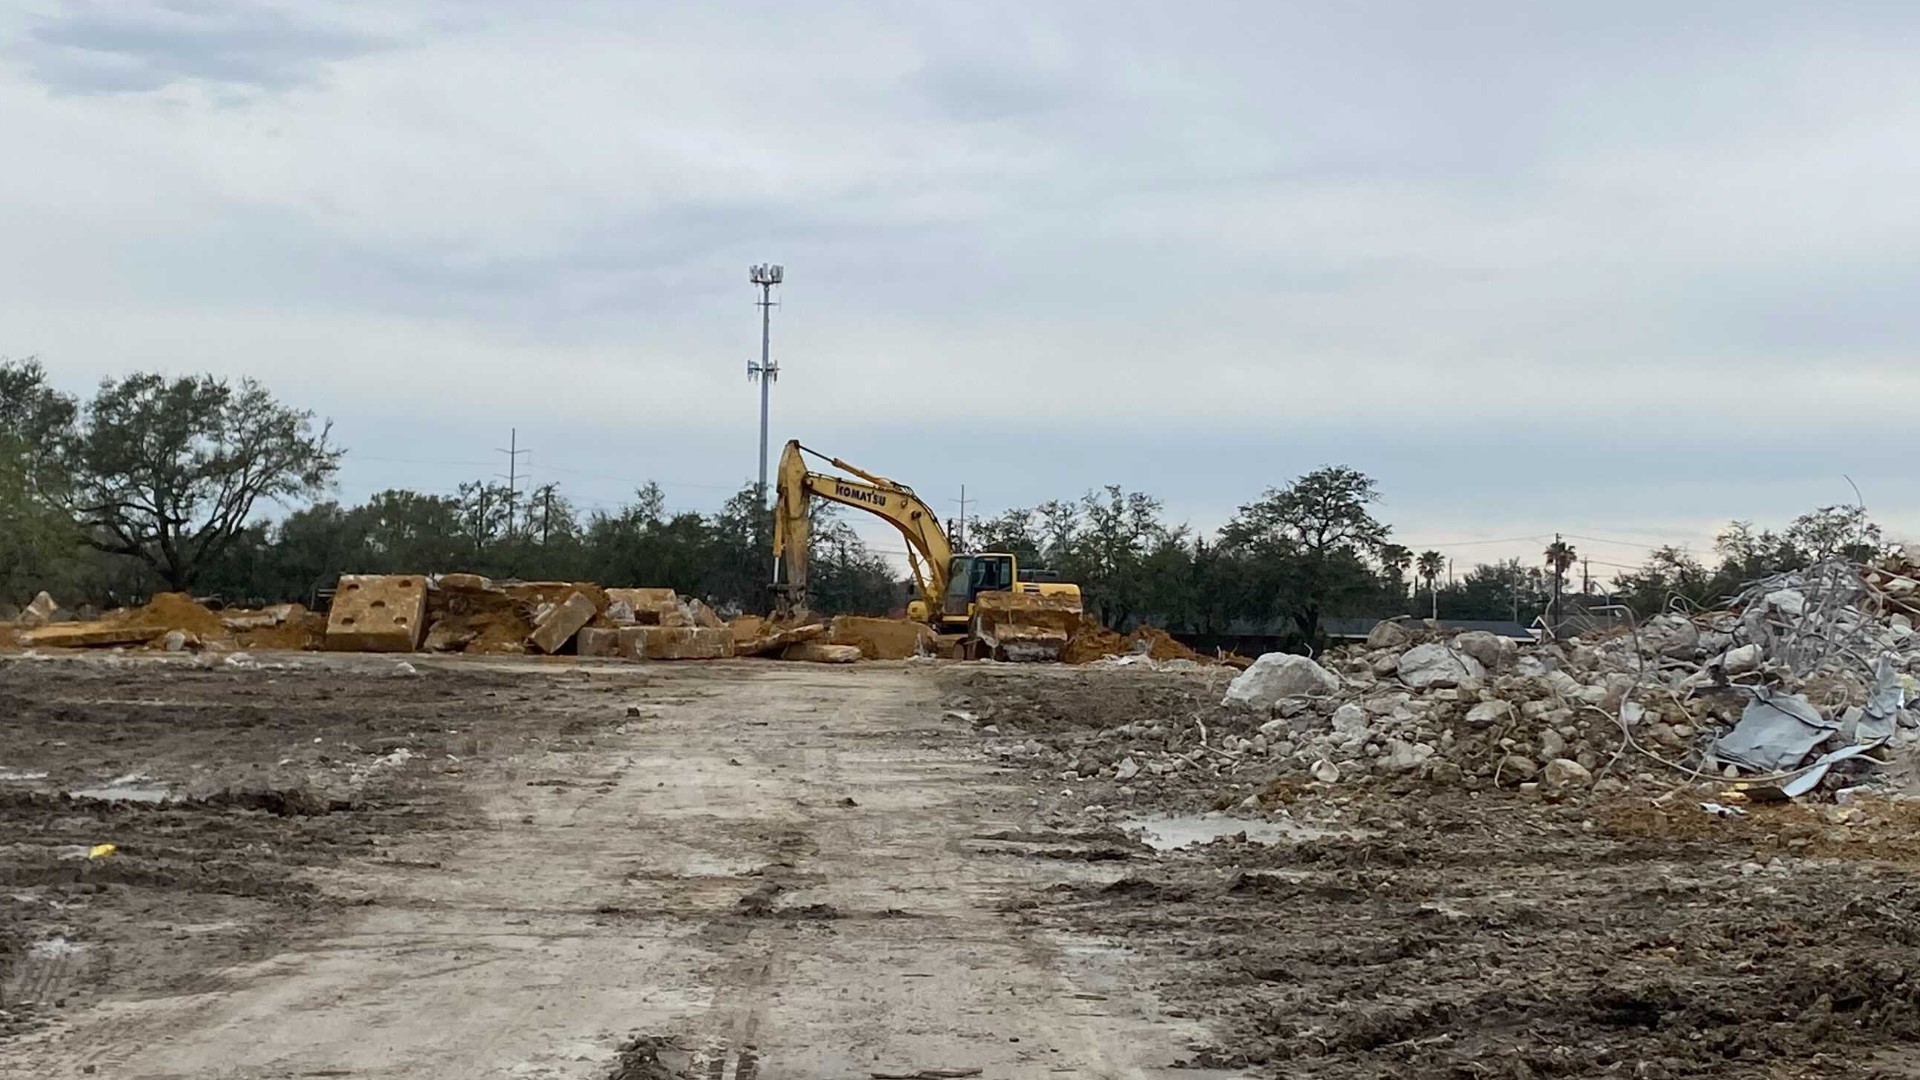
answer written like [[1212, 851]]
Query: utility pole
[[1516, 590], [1553, 624], [1586, 576], [765, 276], [960, 534], [512, 478]]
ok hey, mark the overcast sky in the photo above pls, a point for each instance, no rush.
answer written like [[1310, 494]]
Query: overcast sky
[[1624, 270]]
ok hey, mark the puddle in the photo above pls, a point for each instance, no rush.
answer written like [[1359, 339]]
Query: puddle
[[123, 794], [16, 774], [53, 947], [1169, 831]]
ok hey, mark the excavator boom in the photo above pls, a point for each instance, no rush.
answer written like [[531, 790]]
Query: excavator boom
[[929, 553], [981, 594]]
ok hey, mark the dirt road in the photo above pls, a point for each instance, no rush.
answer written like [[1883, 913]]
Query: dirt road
[[482, 870]]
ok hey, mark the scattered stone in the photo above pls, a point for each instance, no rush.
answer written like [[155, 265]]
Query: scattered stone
[[1326, 771], [1388, 634], [1489, 713], [1495, 653], [1562, 772], [1742, 660], [1278, 676], [1127, 770]]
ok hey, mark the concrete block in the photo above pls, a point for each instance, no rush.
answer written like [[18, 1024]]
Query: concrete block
[[819, 652], [377, 613], [680, 642], [598, 641], [770, 640], [561, 622]]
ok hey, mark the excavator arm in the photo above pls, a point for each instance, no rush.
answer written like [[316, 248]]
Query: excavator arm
[[928, 551]]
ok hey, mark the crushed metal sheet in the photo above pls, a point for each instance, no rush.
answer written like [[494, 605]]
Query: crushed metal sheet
[[1817, 771], [1776, 732]]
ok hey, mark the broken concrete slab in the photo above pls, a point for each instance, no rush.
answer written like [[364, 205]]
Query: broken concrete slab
[[678, 642], [377, 613], [90, 635], [820, 652], [557, 625]]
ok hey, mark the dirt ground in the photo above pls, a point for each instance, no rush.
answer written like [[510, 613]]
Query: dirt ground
[[1397, 931], [467, 867]]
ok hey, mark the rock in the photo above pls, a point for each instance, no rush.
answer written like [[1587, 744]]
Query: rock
[[1325, 771], [1563, 684], [1488, 713], [1403, 756], [1515, 769], [1387, 704], [1531, 666], [1278, 676], [447, 635], [1387, 634], [1385, 664], [1434, 664], [1788, 602], [1351, 721], [1552, 745], [1670, 635], [1561, 772], [1494, 652], [175, 641], [40, 612], [1742, 660]]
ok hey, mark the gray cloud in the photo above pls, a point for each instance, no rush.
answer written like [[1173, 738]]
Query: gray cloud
[[1541, 267], [109, 48]]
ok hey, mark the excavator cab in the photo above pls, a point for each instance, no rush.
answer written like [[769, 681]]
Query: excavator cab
[[970, 575]]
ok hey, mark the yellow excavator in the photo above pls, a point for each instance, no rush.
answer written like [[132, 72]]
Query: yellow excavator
[[984, 599]]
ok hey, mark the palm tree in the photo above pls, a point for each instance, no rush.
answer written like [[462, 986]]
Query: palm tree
[[1429, 566], [1560, 559], [1395, 559]]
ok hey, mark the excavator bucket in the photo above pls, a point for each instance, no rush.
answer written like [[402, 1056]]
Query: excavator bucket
[[1025, 626]]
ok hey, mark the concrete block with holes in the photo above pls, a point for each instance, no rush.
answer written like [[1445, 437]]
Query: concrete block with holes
[[377, 613]]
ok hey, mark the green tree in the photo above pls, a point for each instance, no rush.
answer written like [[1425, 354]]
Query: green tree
[[1836, 531], [1310, 541], [1669, 574], [38, 544], [169, 471]]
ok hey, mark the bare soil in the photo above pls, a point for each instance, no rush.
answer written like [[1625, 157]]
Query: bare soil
[[1416, 932]]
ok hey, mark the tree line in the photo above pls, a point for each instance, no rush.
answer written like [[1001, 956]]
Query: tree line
[[164, 482]]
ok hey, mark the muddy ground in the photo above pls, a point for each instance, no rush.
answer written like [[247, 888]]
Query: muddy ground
[[233, 796], [755, 870], [1402, 930]]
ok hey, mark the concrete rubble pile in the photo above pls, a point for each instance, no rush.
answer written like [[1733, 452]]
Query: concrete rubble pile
[[1799, 688]]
